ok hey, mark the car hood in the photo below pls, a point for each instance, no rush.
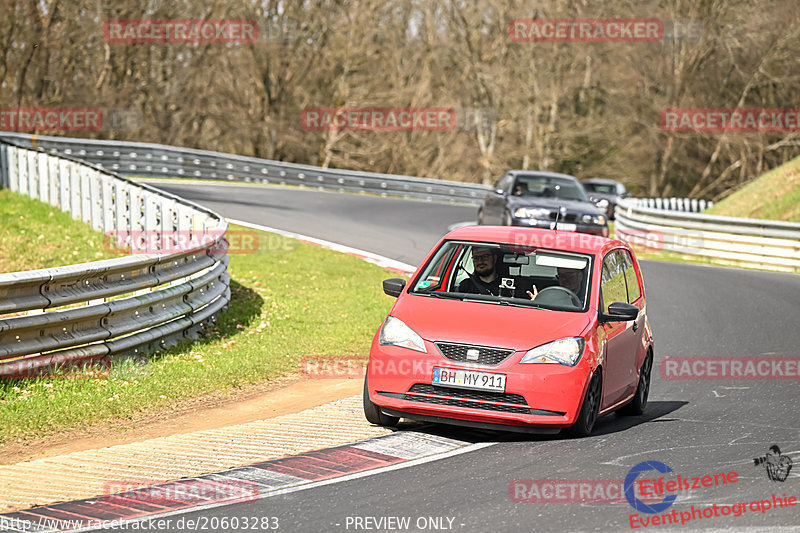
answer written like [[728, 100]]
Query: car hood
[[572, 206], [487, 324]]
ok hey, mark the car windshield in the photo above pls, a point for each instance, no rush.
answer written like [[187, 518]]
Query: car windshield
[[506, 274], [601, 188], [548, 187]]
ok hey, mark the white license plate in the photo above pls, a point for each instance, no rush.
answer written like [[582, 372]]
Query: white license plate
[[468, 379], [563, 226]]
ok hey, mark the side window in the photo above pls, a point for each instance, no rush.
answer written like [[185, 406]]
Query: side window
[[612, 280], [630, 277]]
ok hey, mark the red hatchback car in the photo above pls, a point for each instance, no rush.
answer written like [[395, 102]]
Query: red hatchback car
[[516, 329]]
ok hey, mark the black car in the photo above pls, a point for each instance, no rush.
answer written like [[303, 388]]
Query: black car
[[605, 194], [535, 199]]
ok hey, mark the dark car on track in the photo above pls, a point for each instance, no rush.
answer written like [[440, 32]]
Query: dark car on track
[[538, 199], [558, 338], [605, 194]]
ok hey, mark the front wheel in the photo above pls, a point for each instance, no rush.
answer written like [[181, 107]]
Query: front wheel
[[373, 413], [584, 425], [639, 402]]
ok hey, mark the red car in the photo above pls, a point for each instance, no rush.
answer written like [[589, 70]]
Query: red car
[[516, 329]]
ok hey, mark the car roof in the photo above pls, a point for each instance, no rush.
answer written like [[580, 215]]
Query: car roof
[[541, 173], [545, 238], [602, 181]]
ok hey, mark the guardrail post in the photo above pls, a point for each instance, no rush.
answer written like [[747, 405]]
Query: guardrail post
[[22, 174], [64, 184], [136, 212], [43, 173], [4, 177], [33, 174], [54, 178], [75, 178], [152, 219], [107, 204]]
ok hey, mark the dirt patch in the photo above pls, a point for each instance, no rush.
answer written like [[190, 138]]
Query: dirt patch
[[255, 402]]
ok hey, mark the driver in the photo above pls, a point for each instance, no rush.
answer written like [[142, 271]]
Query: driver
[[485, 279]]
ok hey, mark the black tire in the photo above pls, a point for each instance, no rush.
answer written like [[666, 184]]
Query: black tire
[[639, 402], [480, 217], [584, 425], [373, 413]]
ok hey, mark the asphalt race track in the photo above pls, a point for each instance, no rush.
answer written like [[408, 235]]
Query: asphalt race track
[[697, 427]]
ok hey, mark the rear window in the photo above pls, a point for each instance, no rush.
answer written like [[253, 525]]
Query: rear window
[[601, 188]]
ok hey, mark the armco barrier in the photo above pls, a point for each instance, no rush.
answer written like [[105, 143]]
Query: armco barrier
[[158, 298], [765, 244], [158, 160]]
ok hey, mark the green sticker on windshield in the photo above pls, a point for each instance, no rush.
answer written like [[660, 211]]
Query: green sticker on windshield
[[424, 284]]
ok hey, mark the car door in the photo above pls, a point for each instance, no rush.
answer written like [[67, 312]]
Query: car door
[[634, 285], [620, 337], [496, 200]]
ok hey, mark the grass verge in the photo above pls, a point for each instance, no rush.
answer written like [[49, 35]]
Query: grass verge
[[289, 300], [34, 235], [774, 196]]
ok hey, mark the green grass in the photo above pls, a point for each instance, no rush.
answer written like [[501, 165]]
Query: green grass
[[34, 235], [775, 196], [289, 300]]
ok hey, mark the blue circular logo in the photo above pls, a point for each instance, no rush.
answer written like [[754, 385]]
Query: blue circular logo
[[636, 503]]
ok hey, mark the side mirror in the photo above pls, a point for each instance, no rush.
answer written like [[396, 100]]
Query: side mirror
[[620, 312], [501, 192], [394, 286]]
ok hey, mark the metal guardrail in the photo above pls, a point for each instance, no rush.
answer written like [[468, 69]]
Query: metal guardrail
[[691, 205], [128, 306], [158, 160], [765, 244]]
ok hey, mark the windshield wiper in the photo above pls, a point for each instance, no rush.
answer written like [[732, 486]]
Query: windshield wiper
[[445, 295]]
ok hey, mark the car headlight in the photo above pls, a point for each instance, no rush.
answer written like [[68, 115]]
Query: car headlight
[[599, 220], [563, 352], [394, 332], [531, 212]]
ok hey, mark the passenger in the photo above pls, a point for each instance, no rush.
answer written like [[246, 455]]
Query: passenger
[[569, 278], [521, 189]]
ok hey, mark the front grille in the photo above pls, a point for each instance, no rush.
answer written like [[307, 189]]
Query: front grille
[[487, 396], [454, 400], [470, 405], [569, 217], [486, 354]]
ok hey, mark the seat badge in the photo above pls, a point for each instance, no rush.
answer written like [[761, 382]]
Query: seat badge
[[472, 354]]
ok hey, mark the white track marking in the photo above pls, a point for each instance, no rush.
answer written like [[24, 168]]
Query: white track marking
[[310, 485]]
